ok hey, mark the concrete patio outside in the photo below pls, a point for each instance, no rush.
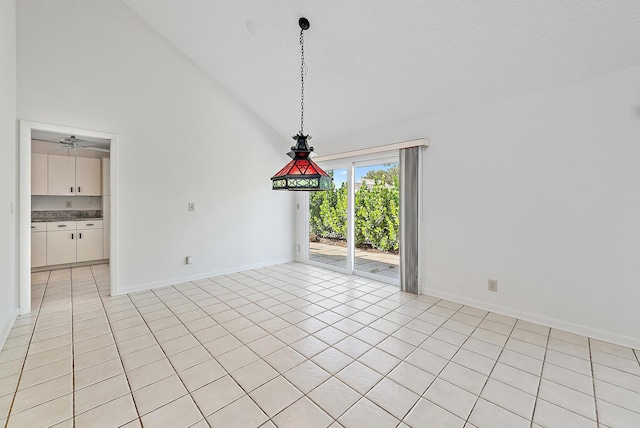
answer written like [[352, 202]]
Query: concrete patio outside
[[384, 264]]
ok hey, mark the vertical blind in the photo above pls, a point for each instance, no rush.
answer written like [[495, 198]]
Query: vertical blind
[[409, 218]]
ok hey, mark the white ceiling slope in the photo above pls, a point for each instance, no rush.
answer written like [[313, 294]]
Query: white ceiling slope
[[380, 62]]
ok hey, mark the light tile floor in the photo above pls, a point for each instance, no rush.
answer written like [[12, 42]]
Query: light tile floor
[[298, 346]]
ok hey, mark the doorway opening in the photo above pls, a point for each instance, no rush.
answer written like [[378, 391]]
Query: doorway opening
[[42, 197]]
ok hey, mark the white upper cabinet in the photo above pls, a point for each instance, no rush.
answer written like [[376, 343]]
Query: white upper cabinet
[[70, 175], [88, 177], [62, 175], [39, 170]]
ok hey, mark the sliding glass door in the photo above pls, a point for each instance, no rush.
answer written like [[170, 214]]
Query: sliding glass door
[[377, 228], [328, 227], [354, 228]]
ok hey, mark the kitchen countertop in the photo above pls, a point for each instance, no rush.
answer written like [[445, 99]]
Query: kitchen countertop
[[42, 220], [65, 215]]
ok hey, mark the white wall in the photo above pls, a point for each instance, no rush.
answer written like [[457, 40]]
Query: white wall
[[541, 192], [181, 138], [8, 181], [57, 203]]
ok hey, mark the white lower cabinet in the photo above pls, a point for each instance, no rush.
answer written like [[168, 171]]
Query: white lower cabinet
[[90, 240], [70, 242], [38, 244], [61, 247]]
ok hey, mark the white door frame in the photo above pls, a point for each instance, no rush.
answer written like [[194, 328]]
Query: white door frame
[[24, 205]]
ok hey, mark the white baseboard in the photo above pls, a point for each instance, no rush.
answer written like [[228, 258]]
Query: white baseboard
[[6, 329], [607, 336], [196, 277]]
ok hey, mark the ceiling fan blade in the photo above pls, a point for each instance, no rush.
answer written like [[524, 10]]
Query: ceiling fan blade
[[72, 139], [96, 149]]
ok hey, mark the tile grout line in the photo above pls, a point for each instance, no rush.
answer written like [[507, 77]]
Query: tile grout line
[[280, 284], [73, 354], [202, 344], [593, 383], [190, 332], [182, 323], [269, 419], [440, 326], [115, 342], [330, 346], [33, 332], [286, 345], [513, 327], [404, 360], [375, 346], [167, 357], [544, 361], [492, 368]]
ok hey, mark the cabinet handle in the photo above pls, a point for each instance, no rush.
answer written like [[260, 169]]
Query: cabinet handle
[[33, 227], [78, 189], [79, 235], [72, 190], [62, 225], [89, 224], [72, 236]]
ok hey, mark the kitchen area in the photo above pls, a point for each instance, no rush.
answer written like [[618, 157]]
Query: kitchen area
[[70, 201]]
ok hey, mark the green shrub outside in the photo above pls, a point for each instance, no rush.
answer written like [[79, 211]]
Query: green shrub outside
[[376, 220]]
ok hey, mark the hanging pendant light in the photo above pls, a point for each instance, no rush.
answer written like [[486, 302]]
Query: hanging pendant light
[[302, 173]]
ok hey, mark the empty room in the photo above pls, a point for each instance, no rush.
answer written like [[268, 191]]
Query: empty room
[[319, 214]]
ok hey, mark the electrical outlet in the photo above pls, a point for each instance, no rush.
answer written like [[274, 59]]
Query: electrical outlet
[[493, 285], [188, 260], [67, 204], [298, 247], [192, 206]]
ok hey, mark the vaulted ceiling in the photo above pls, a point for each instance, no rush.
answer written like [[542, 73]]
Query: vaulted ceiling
[[375, 62]]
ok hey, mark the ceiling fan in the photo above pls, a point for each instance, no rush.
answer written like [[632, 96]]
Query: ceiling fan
[[73, 143]]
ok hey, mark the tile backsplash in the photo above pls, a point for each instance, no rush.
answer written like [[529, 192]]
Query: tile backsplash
[[56, 203]]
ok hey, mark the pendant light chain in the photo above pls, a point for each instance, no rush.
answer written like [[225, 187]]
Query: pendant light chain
[[301, 173], [302, 73]]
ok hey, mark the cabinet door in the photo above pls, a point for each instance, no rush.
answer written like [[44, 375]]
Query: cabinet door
[[89, 244], [106, 176], [61, 247], [88, 177], [38, 249], [62, 175], [106, 216], [39, 170]]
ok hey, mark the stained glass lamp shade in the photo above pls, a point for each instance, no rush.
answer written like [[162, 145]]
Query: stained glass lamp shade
[[301, 173]]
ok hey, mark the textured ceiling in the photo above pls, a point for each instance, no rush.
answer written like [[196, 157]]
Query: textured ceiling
[[374, 63]]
